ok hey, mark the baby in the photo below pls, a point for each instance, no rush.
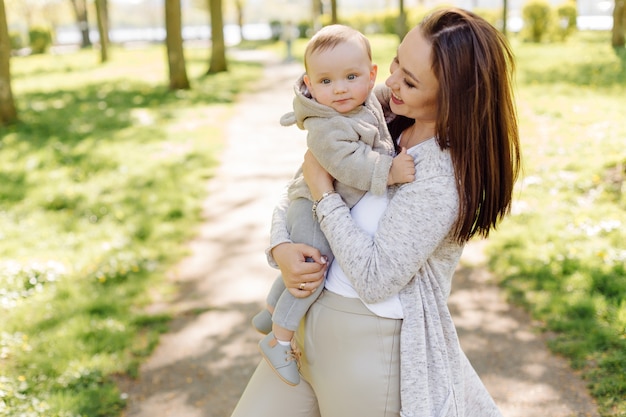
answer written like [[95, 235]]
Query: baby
[[347, 133]]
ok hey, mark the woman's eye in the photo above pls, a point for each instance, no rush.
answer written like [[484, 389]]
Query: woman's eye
[[408, 84]]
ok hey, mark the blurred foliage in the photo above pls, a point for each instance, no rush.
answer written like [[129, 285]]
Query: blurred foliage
[[537, 15], [544, 22], [39, 40]]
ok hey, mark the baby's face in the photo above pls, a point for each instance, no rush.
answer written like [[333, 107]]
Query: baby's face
[[341, 77]]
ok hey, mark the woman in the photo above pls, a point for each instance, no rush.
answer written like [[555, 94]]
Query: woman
[[380, 340]]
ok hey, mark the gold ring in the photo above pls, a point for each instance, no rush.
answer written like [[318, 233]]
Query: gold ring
[[302, 284]]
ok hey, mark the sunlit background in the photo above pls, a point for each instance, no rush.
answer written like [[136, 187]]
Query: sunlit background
[[143, 20]]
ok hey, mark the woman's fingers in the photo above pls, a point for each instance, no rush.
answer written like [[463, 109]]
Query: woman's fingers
[[300, 264]]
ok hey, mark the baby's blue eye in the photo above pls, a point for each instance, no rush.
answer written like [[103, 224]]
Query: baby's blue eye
[[352, 76]]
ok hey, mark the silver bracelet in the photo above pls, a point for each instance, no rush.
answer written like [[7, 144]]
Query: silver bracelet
[[315, 203]]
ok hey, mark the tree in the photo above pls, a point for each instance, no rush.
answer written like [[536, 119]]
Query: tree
[[8, 113], [80, 10], [619, 24], [401, 28], [102, 12], [218, 46], [334, 18], [174, 43], [240, 6], [316, 14]]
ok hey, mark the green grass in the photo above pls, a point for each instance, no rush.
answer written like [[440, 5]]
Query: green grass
[[562, 254], [101, 184]]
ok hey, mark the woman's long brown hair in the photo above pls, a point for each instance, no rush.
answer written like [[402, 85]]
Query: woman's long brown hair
[[477, 118]]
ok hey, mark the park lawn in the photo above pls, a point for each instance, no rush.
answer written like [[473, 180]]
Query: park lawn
[[101, 185], [562, 253]]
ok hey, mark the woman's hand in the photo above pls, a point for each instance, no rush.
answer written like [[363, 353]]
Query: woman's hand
[[301, 266], [316, 177]]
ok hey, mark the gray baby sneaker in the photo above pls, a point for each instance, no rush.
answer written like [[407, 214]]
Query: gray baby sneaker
[[262, 321], [281, 358]]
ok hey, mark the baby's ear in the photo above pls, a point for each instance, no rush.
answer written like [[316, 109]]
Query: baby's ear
[[373, 73], [307, 81]]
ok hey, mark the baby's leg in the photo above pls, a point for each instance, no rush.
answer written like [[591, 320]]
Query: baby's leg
[[275, 292], [281, 333], [303, 228], [289, 310], [262, 321]]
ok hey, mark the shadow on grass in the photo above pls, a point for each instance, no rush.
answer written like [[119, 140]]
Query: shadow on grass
[[99, 108], [60, 121], [579, 305], [35, 67], [149, 208], [499, 340]]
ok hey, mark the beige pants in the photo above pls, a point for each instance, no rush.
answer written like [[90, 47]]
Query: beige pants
[[350, 367]]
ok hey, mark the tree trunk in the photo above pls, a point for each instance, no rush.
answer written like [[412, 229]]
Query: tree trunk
[[317, 13], [334, 18], [240, 21], [103, 29], [174, 43], [619, 24], [8, 113], [218, 47], [401, 28], [80, 9]]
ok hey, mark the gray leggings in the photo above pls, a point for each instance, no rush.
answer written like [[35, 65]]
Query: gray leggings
[[303, 228], [350, 367]]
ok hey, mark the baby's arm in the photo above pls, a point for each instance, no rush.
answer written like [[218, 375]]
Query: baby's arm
[[402, 169]]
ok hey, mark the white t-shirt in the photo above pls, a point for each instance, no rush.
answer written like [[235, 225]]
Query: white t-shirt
[[366, 214]]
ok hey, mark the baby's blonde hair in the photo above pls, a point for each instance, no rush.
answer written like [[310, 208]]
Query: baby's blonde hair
[[330, 36]]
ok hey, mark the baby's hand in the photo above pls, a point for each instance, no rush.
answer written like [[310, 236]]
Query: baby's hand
[[402, 169]]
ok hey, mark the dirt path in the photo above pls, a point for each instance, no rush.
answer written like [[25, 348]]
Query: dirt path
[[202, 364]]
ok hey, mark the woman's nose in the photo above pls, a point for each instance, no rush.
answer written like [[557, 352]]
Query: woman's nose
[[390, 81]]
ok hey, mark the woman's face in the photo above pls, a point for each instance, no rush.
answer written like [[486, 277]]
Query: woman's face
[[413, 84]]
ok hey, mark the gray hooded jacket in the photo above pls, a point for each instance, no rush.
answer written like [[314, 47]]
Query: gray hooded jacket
[[355, 147]]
